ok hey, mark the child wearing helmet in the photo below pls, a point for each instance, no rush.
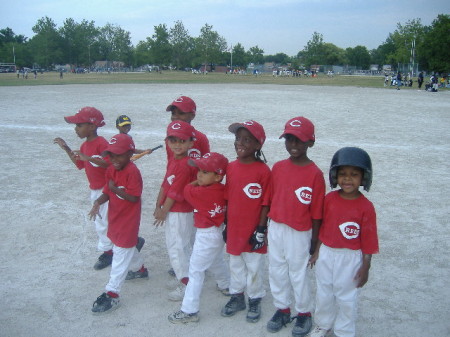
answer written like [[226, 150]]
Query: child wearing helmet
[[347, 240]]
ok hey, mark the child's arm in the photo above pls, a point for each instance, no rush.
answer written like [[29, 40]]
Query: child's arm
[[121, 192], [313, 259], [258, 239], [161, 212], [315, 235], [98, 161], [362, 275], [63, 145], [96, 206]]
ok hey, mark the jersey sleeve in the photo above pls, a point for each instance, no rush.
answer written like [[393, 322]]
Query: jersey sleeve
[[369, 236]]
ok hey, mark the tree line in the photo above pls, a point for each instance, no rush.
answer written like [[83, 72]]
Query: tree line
[[82, 43]]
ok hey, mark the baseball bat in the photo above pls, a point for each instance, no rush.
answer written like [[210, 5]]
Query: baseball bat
[[137, 156]]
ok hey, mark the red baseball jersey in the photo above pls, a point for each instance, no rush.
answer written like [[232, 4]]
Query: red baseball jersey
[[297, 194], [247, 189], [209, 201], [179, 173], [201, 146], [124, 217], [94, 173], [349, 224]]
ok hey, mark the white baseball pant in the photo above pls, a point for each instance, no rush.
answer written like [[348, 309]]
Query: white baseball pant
[[246, 272], [124, 259], [337, 295], [101, 223], [208, 253], [179, 232], [288, 266]]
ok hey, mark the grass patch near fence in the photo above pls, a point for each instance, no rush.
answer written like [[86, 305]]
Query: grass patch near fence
[[52, 78]]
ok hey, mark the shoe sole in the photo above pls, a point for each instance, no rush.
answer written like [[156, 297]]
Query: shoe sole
[[98, 313], [231, 314], [184, 322], [252, 320]]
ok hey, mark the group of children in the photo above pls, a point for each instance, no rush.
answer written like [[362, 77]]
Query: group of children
[[282, 212]]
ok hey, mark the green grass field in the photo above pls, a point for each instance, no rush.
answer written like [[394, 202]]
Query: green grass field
[[52, 78]]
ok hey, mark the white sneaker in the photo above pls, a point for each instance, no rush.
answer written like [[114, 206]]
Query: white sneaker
[[318, 332], [172, 284], [181, 317], [177, 294]]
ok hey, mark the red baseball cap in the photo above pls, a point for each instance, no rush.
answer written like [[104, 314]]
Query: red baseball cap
[[180, 130], [183, 103], [300, 127], [120, 144], [87, 114], [211, 162], [253, 127]]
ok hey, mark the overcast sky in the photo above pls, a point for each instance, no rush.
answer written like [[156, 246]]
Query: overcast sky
[[272, 25]]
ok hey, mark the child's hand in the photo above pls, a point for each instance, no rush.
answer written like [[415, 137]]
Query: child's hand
[[61, 142], [361, 277], [94, 211], [160, 217], [80, 156], [313, 259], [258, 239]]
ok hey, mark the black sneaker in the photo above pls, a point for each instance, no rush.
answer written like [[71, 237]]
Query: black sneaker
[[254, 310], [137, 274], [140, 243], [279, 320], [103, 261], [171, 272], [302, 327], [105, 303], [235, 304]]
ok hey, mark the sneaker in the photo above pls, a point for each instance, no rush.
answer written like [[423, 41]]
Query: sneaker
[[103, 261], [235, 304], [140, 243], [105, 303], [171, 272], [254, 310], [279, 320], [141, 273], [182, 317], [318, 332], [172, 284], [224, 291], [302, 327], [177, 294]]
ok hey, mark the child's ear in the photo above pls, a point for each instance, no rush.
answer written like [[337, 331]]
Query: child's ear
[[192, 116], [310, 143], [218, 178], [191, 144]]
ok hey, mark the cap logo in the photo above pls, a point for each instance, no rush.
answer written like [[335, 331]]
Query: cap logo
[[207, 155], [248, 123], [112, 141], [296, 123], [350, 230], [304, 195], [176, 126], [179, 99], [253, 190]]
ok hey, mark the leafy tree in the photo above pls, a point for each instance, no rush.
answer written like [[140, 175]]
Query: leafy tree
[[313, 53], [13, 48], [142, 53], [46, 46], [182, 45], [255, 55], [239, 56], [404, 38], [382, 54], [209, 46], [114, 44], [359, 57], [160, 48], [333, 55], [435, 48], [279, 58]]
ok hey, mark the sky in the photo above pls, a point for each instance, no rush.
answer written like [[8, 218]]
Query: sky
[[276, 26]]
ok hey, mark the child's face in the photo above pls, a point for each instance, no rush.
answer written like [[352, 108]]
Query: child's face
[[124, 129], [349, 179], [84, 130], [119, 161], [297, 149], [246, 145], [178, 115], [206, 178], [179, 147]]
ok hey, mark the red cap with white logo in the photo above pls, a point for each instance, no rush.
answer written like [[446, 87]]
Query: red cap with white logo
[[253, 127], [87, 114], [120, 144], [300, 127], [180, 129], [184, 103], [211, 162]]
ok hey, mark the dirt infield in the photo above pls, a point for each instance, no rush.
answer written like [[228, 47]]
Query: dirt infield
[[48, 283]]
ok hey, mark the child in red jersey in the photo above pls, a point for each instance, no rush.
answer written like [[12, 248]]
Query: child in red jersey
[[247, 191], [347, 240], [295, 217], [123, 190], [173, 209], [89, 158], [206, 194], [123, 124], [184, 109]]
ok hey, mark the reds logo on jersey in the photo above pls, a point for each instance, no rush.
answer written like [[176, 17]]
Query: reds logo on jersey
[[350, 230], [194, 153], [170, 179], [253, 190], [304, 195], [217, 210], [95, 156]]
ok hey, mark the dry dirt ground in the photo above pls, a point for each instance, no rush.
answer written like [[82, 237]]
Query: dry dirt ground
[[47, 280]]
